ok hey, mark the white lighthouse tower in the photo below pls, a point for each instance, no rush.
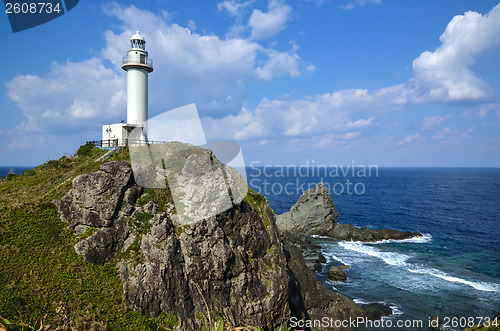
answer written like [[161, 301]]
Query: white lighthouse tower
[[138, 65]]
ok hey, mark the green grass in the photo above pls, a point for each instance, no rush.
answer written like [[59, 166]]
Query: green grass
[[39, 269]]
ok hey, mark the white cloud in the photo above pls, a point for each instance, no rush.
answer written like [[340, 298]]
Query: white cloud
[[266, 25], [205, 69], [360, 123], [189, 67], [70, 95], [361, 3], [326, 113], [431, 123], [411, 139], [234, 7], [445, 75]]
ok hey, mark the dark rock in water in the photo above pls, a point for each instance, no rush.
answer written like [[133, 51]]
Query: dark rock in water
[[335, 273], [99, 204], [315, 214], [310, 251], [349, 232], [375, 311]]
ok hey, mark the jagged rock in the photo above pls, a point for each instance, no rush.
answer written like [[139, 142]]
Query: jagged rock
[[101, 201], [335, 273], [233, 258], [310, 251], [315, 214]]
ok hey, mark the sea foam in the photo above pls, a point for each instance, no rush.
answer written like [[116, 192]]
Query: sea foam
[[400, 260]]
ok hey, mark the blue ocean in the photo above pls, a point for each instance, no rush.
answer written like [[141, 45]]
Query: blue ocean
[[453, 271]]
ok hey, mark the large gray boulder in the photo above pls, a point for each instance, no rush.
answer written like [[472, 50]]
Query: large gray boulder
[[314, 213], [97, 208]]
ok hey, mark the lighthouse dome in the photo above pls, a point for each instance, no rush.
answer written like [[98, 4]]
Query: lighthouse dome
[[137, 36]]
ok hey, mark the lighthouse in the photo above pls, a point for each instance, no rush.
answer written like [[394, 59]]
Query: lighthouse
[[138, 65]]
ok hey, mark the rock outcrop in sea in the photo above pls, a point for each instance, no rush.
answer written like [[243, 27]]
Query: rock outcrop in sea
[[236, 260], [315, 214]]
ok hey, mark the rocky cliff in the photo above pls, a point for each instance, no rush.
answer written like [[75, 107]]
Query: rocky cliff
[[315, 214], [236, 260]]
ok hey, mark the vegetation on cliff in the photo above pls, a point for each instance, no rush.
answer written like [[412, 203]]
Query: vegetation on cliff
[[42, 279]]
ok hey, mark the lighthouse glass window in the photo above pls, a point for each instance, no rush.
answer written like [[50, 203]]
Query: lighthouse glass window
[[138, 44]]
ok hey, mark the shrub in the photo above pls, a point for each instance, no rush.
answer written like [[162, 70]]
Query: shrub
[[85, 150]]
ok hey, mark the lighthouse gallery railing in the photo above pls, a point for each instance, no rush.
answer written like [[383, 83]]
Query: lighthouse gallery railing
[[138, 60]]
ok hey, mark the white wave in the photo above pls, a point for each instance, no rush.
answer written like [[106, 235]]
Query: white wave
[[425, 238], [396, 310], [399, 260], [390, 258], [331, 257], [481, 286], [321, 237], [360, 301]]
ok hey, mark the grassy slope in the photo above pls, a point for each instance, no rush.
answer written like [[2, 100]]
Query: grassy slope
[[42, 279], [41, 276]]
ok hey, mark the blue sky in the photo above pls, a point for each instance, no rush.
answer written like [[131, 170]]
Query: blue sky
[[392, 83]]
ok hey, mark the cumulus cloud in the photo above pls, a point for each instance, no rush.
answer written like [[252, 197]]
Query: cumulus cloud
[[205, 69], [70, 95], [446, 74], [189, 67], [266, 25], [339, 112]]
